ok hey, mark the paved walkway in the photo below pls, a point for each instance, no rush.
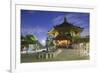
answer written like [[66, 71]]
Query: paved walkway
[[63, 55]]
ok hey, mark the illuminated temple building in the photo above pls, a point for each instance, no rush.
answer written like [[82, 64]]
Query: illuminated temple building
[[63, 33]]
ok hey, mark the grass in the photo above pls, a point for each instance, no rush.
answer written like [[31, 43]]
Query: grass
[[65, 55]]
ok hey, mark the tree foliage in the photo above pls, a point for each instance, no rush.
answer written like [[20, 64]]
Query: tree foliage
[[28, 39], [80, 39]]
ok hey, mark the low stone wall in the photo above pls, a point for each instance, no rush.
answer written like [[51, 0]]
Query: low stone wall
[[45, 55], [48, 55]]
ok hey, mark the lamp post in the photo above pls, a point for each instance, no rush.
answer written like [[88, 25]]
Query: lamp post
[[47, 44]]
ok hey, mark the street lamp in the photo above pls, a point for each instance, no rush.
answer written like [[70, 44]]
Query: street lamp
[[47, 44]]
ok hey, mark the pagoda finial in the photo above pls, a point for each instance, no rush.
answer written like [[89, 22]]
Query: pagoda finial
[[65, 20]]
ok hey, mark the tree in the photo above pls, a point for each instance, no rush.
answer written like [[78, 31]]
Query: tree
[[23, 42], [31, 39], [26, 40], [80, 39], [75, 39]]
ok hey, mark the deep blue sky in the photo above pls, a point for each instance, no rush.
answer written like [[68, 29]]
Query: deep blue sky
[[39, 23]]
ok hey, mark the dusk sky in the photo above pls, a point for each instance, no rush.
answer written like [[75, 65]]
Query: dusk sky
[[39, 23]]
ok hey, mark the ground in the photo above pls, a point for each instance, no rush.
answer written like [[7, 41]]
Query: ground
[[65, 55]]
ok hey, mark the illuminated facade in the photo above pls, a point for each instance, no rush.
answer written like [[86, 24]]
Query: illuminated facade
[[63, 34]]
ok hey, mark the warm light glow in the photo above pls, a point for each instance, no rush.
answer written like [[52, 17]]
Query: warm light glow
[[63, 42]]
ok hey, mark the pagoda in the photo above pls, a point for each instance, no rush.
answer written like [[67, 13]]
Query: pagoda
[[62, 34]]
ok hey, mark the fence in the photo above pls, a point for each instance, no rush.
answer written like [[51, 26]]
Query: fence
[[48, 54], [81, 49]]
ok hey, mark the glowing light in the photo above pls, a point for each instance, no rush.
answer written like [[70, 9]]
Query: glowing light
[[43, 42], [63, 42]]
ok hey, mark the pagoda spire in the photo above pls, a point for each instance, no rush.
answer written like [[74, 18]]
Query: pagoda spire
[[65, 20]]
